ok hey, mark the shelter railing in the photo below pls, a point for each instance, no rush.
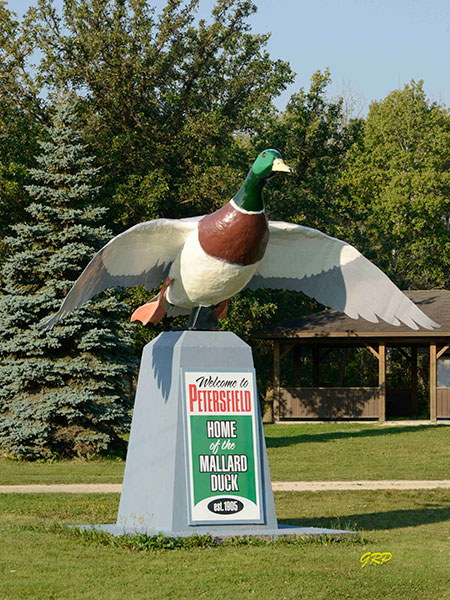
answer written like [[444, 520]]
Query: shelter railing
[[329, 403], [443, 403]]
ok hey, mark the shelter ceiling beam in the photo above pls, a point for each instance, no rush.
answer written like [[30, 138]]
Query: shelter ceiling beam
[[307, 337], [374, 352], [441, 351]]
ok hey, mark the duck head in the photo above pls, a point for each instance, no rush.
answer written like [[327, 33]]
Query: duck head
[[249, 197], [268, 164]]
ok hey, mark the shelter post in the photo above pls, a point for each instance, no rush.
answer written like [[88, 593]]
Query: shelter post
[[382, 381], [433, 382]]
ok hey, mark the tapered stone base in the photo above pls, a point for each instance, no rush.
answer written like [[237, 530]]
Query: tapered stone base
[[157, 488]]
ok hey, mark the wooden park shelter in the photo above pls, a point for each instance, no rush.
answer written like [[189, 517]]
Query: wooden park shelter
[[317, 334]]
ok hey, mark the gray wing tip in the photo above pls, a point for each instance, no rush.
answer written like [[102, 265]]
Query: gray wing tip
[[48, 325], [423, 320], [431, 325]]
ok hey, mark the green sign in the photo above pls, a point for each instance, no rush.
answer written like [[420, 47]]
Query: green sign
[[223, 451]]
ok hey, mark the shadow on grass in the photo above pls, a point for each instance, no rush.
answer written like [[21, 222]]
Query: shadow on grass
[[279, 442], [391, 519]]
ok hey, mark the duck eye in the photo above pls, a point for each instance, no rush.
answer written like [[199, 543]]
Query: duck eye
[[264, 154]]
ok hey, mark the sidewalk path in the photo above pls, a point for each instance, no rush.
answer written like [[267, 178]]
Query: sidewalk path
[[277, 486], [399, 484]]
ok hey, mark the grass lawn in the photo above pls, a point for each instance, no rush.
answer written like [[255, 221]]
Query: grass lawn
[[61, 471], [40, 562], [352, 451], [300, 452]]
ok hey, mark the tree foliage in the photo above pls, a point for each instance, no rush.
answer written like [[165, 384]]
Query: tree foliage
[[161, 97], [174, 110], [65, 391], [399, 178], [20, 118], [312, 135]]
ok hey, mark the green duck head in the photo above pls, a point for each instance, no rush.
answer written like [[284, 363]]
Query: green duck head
[[267, 165]]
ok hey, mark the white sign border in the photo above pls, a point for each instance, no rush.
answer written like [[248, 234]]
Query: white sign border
[[256, 450]]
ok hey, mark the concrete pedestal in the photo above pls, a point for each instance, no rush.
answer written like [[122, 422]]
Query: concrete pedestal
[[155, 493]]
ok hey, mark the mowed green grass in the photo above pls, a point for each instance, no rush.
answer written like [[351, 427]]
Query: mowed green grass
[[352, 451], [298, 452], [102, 470], [41, 562]]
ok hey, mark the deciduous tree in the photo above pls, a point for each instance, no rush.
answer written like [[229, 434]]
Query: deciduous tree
[[400, 180], [21, 114], [161, 96]]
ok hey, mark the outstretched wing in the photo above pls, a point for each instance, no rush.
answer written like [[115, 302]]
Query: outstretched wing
[[142, 255], [334, 273]]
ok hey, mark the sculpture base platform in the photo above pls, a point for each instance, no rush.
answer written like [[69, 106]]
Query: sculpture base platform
[[231, 532], [197, 461]]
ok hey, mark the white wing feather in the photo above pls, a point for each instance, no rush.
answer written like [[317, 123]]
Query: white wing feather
[[142, 255], [336, 274]]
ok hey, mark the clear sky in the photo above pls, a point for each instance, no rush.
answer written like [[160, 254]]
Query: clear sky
[[373, 45]]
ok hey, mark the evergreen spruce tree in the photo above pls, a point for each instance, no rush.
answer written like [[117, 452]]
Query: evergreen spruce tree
[[67, 391]]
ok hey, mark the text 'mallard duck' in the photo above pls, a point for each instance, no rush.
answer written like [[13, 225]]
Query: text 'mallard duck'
[[205, 260]]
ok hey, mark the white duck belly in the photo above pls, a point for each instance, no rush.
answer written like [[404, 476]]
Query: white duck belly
[[202, 280]]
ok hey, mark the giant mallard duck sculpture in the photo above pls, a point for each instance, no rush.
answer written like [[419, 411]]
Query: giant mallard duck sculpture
[[206, 260]]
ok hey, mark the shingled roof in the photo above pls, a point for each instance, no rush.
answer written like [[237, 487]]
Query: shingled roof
[[330, 323]]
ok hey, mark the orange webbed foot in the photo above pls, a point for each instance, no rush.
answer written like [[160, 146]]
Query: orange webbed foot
[[153, 311]]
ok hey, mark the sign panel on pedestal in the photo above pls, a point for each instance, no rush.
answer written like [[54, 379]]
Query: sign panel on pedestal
[[223, 454]]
